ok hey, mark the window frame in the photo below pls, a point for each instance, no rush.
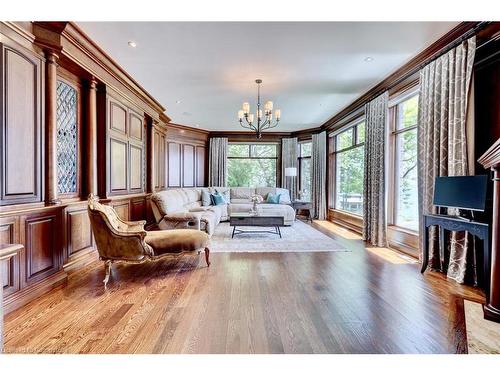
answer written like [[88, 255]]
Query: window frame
[[250, 157], [394, 134], [334, 156], [299, 162]]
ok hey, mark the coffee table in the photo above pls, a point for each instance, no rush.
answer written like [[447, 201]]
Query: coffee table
[[246, 219]]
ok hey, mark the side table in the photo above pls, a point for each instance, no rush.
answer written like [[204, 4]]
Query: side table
[[303, 205]]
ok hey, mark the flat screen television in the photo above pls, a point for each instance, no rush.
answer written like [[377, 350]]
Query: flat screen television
[[465, 192]]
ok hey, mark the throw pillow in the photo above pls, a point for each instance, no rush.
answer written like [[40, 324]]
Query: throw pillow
[[205, 198], [225, 192], [217, 199], [273, 198]]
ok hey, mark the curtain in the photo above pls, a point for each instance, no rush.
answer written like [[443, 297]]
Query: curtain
[[289, 147], [217, 162], [374, 220], [318, 176], [442, 145]]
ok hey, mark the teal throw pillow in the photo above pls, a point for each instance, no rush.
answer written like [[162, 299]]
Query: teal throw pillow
[[273, 198], [217, 199]]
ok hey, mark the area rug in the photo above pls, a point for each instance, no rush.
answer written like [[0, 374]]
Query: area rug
[[483, 336], [300, 237]]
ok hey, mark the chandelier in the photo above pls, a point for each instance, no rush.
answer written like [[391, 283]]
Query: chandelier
[[263, 122]]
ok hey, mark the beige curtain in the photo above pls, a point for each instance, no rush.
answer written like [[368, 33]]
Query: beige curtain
[[217, 162], [318, 176], [374, 218], [289, 149], [442, 144]]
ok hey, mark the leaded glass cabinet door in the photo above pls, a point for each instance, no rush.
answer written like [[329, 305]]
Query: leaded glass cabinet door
[[67, 139]]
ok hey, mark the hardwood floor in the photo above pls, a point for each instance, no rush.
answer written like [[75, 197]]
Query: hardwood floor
[[336, 302]]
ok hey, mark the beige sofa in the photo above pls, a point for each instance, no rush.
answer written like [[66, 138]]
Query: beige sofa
[[183, 207]]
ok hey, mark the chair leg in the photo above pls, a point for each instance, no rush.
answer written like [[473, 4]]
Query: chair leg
[[207, 256], [107, 269]]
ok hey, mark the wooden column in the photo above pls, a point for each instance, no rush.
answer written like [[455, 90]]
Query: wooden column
[[150, 152], [7, 251], [491, 159], [91, 137], [51, 128]]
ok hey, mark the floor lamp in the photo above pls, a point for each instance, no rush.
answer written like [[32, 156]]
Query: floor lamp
[[291, 172]]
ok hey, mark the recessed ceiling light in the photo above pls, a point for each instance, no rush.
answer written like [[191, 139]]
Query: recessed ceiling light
[[178, 101], [132, 44], [369, 59]]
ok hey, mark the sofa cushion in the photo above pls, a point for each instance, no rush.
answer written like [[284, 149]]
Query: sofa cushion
[[242, 193], [240, 200], [176, 240], [240, 207], [200, 209], [264, 191]]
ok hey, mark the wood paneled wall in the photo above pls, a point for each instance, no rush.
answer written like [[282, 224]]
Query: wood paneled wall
[[187, 157], [124, 149], [122, 145], [21, 131]]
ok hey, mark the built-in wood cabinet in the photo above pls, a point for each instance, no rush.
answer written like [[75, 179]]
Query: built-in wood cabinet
[[21, 131], [125, 167]]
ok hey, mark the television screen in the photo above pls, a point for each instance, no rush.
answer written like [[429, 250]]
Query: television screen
[[467, 192]]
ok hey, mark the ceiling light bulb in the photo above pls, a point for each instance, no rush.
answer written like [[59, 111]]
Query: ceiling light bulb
[[369, 59], [246, 107], [178, 102], [132, 44]]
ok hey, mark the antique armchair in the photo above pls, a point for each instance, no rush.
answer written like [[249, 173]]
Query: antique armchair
[[127, 241]]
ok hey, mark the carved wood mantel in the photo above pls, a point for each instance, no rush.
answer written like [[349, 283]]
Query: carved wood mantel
[[491, 159]]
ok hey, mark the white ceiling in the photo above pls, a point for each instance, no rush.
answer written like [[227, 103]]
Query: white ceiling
[[310, 70]]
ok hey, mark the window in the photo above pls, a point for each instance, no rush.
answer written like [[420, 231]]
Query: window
[[404, 116], [252, 165], [348, 156], [67, 138], [305, 170]]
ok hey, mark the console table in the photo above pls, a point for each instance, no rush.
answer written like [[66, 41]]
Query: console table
[[7, 251], [456, 224]]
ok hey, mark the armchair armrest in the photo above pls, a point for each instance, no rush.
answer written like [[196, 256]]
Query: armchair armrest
[[133, 226], [189, 220]]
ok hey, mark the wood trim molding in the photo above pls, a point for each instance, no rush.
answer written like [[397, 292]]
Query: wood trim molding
[[407, 69], [77, 49], [352, 222]]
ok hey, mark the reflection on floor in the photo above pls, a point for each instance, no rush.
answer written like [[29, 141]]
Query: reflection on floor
[[391, 255], [283, 302], [483, 336], [338, 230]]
